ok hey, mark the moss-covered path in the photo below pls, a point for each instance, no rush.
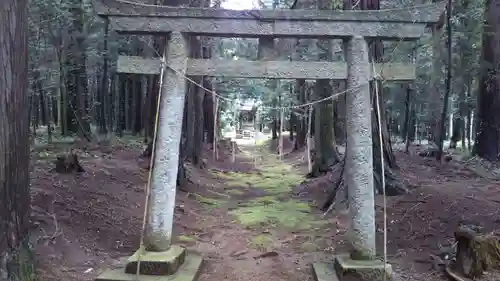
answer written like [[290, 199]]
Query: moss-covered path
[[256, 229], [264, 196]]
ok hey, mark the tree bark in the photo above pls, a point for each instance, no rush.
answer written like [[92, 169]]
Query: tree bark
[[301, 132], [487, 142], [14, 143], [393, 181], [326, 152]]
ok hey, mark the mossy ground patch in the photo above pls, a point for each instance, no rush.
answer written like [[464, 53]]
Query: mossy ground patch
[[261, 242], [275, 208]]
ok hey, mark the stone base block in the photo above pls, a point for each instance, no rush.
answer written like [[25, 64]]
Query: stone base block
[[187, 271], [324, 272], [345, 268], [157, 263]]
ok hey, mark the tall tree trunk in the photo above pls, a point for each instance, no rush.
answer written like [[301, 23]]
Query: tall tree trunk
[[407, 123], [339, 116], [16, 259], [487, 142], [275, 126], [325, 147], [435, 86], [393, 181], [301, 131], [444, 110], [77, 83], [103, 91], [326, 152]]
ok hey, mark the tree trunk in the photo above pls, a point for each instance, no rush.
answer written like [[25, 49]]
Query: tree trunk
[[487, 142], [16, 259], [127, 98], [407, 123], [190, 112], [444, 110], [339, 116], [77, 80], [456, 134], [435, 86], [393, 182], [326, 152], [103, 91], [137, 108], [301, 131], [198, 124], [275, 120]]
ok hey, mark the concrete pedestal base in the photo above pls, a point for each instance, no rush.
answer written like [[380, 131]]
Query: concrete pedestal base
[[157, 263], [343, 266], [174, 265]]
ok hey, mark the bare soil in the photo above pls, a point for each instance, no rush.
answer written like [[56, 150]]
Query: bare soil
[[83, 224]]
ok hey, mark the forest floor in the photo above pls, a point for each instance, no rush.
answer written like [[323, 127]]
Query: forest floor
[[234, 213]]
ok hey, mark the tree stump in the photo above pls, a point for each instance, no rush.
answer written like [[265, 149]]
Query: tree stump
[[148, 151], [67, 164], [476, 252]]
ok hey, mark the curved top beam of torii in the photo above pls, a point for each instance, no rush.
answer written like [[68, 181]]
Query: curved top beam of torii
[[427, 13], [404, 23]]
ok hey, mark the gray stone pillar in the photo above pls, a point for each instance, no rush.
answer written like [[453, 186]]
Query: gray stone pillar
[[161, 201], [359, 150]]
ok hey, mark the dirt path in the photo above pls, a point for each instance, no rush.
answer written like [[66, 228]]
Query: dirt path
[[233, 212], [258, 215], [87, 223]]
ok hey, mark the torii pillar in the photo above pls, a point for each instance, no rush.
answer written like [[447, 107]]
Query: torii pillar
[[159, 257]]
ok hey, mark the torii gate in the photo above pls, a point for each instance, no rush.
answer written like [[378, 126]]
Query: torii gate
[[355, 27]]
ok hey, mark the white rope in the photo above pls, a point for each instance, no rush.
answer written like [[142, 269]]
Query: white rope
[[382, 170]]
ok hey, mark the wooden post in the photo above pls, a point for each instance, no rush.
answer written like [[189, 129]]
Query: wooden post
[[161, 202], [359, 151]]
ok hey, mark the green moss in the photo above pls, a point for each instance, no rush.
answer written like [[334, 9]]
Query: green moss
[[209, 202], [276, 179], [235, 191], [289, 214], [260, 201], [185, 238], [309, 247], [261, 242], [264, 142], [272, 179]]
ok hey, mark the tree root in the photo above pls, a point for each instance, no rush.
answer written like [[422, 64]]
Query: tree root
[[393, 186], [452, 274], [338, 187]]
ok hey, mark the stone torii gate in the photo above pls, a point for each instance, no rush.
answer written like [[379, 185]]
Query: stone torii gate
[[178, 23]]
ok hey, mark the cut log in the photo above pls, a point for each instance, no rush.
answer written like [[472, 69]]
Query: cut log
[[432, 153], [67, 164], [476, 252]]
